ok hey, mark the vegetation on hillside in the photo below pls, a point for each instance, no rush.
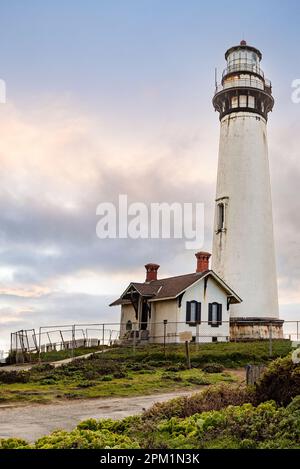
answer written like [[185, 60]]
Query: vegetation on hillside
[[124, 372], [99, 376], [223, 416], [263, 427], [229, 354]]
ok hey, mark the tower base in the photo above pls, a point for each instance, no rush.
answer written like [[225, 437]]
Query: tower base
[[255, 328]]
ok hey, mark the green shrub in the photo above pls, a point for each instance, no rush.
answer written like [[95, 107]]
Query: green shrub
[[198, 380], [244, 426], [86, 384], [42, 368], [176, 367], [119, 374], [280, 382], [13, 443], [18, 376], [213, 367], [85, 439], [212, 398], [115, 426], [48, 381], [108, 378]]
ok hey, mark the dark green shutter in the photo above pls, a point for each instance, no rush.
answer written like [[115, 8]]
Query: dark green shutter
[[198, 313], [219, 314], [209, 313], [188, 311]]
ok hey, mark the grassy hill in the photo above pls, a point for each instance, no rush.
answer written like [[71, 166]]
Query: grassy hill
[[122, 371]]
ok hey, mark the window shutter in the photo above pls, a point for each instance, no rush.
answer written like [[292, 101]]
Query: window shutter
[[219, 314], [198, 315], [209, 313], [188, 311]]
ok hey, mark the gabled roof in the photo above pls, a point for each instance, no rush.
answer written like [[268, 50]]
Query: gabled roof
[[172, 287]]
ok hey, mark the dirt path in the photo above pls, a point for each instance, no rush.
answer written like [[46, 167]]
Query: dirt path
[[34, 421]]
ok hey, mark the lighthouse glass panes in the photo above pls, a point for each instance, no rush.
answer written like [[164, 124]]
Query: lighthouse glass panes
[[251, 102], [235, 101], [243, 101], [243, 60]]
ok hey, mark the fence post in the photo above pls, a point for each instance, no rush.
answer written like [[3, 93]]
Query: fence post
[[40, 331], [197, 336], [134, 337], [270, 340], [103, 332], [73, 340], [165, 335], [297, 330], [187, 353], [11, 345]]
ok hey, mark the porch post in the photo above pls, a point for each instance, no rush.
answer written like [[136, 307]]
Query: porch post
[[139, 313]]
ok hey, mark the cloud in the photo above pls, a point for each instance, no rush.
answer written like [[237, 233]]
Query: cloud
[[58, 164], [285, 170], [55, 170]]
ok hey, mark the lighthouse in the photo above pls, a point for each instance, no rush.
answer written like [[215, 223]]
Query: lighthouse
[[243, 241]]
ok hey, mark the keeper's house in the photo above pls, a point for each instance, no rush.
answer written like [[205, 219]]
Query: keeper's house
[[198, 302]]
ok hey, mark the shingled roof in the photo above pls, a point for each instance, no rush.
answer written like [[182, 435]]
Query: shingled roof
[[171, 287]]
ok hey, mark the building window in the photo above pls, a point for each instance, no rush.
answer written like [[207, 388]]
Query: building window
[[128, 325], [215, 314], [193, 312], [221, 217]]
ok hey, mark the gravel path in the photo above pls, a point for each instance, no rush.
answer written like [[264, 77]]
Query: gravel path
[[33, 421]]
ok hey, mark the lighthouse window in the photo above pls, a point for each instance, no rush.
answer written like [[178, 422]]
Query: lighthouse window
[[220, 217], [234, 102], [251, 101], [243, 101]]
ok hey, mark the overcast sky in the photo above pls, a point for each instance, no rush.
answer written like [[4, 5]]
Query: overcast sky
[[114, 97]]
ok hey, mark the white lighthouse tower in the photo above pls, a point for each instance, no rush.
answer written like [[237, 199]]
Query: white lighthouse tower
[[243, 243]]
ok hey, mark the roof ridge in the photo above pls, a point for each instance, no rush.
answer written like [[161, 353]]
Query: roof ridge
[[182, 275]]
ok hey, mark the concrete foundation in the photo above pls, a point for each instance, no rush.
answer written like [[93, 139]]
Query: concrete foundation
[[255, 328]]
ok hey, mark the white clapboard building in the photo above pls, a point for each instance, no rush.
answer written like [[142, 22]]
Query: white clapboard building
[[160, 309]]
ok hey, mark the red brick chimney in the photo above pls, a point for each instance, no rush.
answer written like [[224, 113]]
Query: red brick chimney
[[151, 272], [202, 261]]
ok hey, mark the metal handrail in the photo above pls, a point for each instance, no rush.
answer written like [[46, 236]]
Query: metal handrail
[[248, 83]]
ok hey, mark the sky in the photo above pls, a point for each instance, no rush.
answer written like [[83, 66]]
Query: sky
[[109, 97]]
